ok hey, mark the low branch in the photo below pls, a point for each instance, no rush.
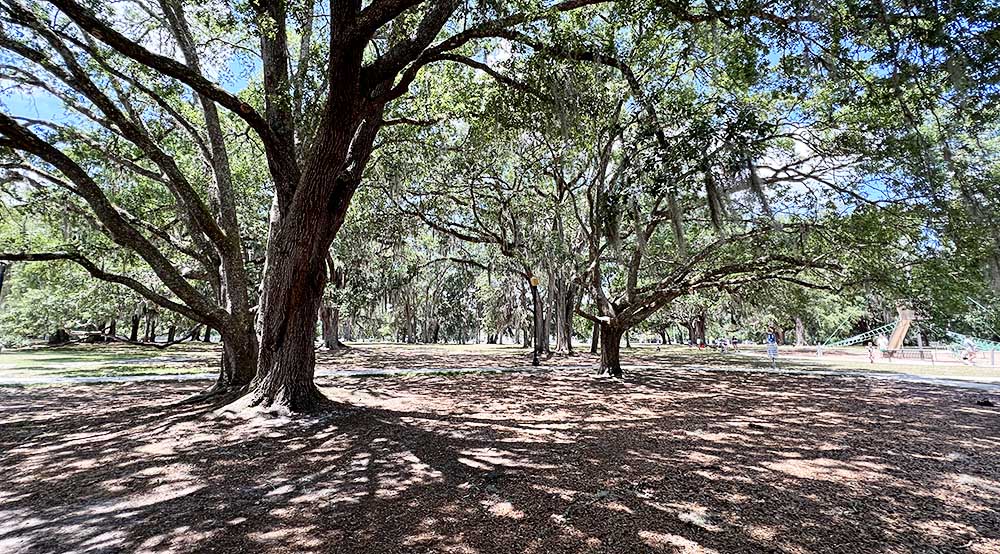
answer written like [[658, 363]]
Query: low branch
[[99, 273]]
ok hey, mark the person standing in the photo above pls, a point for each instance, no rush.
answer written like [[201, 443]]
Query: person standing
[[969, 346], [883, 346], [772, 349]]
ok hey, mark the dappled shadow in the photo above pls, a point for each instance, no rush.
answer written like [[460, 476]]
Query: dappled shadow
[[438, 357], [677, 461]]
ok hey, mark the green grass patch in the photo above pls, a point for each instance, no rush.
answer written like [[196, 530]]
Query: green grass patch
[[103, 360]]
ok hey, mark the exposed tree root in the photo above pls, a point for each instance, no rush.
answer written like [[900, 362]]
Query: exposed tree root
[[216, 394], [282, 404]]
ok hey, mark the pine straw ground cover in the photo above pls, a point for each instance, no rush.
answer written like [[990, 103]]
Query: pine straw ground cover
[[670, 461]]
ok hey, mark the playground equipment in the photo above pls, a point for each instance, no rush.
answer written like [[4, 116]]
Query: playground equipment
[[981, 344], [863, 337], [897, 331]]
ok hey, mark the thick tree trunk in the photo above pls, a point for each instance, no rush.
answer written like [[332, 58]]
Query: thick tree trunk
[[800, 332], [301, 231], [113, 328], [329, 317], [611, 337], [239, 363], [663, 336], [171, 333]]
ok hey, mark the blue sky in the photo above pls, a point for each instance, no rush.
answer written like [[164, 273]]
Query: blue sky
[[39, 104]]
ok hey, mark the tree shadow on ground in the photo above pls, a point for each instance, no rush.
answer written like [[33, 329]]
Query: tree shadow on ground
[[439, 356], [677, 461]]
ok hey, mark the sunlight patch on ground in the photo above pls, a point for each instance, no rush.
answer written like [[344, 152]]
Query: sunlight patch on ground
[[673, 543]]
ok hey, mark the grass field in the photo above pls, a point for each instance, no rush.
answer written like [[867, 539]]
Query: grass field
[[103, 360], [115, 360]]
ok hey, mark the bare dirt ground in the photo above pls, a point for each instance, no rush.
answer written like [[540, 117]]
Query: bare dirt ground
[[669, 461]]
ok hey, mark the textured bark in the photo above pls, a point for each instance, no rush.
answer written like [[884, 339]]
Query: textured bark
[[595, 339], [329, 317], [564, 305], [295, 271], [239, 363], [611, 337], [800, 332]]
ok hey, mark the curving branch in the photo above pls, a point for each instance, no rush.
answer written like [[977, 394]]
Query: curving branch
[[22, 139], [280, 160], [99, 273]]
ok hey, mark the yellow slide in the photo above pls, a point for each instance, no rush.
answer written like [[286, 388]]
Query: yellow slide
[[899, 332]]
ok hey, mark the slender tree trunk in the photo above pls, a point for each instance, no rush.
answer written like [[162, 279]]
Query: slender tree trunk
[[595, 339], [800, 332], [540, 331], [149, 334], [230, 282], [208, 334], [171, 333], [559, 314], [611, 338], [113, 328], [134, 333], [568, 306]]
